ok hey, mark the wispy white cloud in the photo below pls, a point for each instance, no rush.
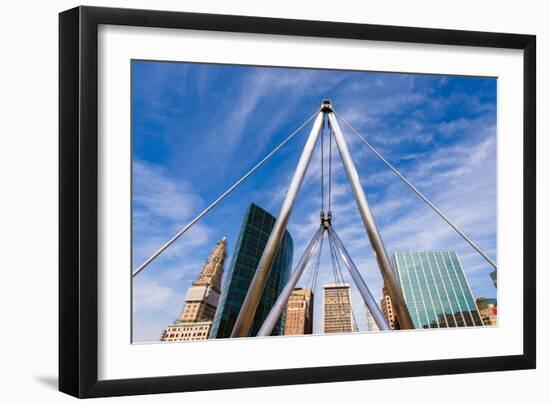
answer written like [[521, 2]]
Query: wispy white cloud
[[149, 295], [162, 205], [260, 93], [160, 196], [152, 301]]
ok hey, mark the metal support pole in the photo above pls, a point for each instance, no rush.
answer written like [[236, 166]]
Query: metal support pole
[[360, 283], [277, 309], [396, 295], [250, 304]]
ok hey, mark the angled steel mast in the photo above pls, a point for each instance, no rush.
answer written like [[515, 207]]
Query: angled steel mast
[[253, 296], [396, 295], [250, 304], [364, 291], [277, 309], [280, 303]]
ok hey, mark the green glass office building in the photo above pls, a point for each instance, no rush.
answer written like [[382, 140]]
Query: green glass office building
[[436, 290], [255, 230]]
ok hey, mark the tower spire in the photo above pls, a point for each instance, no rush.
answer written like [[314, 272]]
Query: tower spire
[[201, 300], [211, 274]]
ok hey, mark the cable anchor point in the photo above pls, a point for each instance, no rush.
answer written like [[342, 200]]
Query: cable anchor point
[[326, 106], [326, 221]]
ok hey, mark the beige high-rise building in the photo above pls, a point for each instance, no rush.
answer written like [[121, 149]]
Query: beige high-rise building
[[299, 312], [202, 297], [337, 311], [186, 331], [388, 310], [201, 300]]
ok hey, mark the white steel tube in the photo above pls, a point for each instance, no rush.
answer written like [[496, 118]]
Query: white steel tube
[[396, 295], [366, 294], [250, 303], [278, 307]]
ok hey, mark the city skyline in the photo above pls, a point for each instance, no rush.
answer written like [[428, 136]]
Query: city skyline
[[432, 144], [298, 317]]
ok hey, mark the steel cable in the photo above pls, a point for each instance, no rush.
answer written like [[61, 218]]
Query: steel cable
[[420, 194], [221, 197]]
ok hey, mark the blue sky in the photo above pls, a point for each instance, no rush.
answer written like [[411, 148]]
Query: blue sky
[[197, 128]]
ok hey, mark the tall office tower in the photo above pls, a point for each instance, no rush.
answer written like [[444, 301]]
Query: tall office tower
[[436, 290], [388, 310], [370, 323], [255, 230], [493, 276], [201, 300], [337, 311], [299, 312]]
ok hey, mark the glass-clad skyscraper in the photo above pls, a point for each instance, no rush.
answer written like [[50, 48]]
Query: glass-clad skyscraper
[[255, 230], [436, 290]]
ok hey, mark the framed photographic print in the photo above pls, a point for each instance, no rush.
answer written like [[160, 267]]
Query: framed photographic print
[[251, 201]]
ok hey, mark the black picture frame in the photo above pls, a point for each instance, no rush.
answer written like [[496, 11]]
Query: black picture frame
[[78, 200]]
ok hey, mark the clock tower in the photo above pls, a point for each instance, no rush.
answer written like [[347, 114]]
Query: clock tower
[[201, 300]]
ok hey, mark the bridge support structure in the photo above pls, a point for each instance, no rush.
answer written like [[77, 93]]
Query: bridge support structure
[[255, 291]]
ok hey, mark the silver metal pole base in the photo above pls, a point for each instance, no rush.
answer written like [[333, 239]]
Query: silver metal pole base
[[382, 257], [360, 283], [254, 294], [278, 307]]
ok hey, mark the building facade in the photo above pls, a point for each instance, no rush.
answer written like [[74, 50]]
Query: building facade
[[187, 331], [388, 310], [488, 310], [436, 290], [299, 312], [255, 230], [370, 324], [201, 300], [337, 310]]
